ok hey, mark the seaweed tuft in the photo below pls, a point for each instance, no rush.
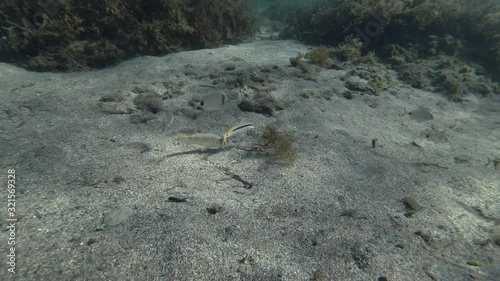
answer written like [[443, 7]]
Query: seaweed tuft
[[282, 144]]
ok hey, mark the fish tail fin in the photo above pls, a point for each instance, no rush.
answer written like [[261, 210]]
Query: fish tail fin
[[181, 136]]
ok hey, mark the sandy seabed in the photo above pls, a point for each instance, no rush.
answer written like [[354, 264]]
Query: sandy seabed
[[401, 186]]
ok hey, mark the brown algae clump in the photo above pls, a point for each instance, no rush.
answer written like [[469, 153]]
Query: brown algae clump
[[282, 144]]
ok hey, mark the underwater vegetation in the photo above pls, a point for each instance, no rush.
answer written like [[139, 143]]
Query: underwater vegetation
[[432, 26], [71, 35], [319, 56], [347, 51], [442, 46], [281, 143]]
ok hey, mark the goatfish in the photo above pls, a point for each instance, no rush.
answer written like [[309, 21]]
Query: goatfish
[[204, 139], [236, 131]]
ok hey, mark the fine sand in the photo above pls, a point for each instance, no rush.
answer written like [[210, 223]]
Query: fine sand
[[401, 186]]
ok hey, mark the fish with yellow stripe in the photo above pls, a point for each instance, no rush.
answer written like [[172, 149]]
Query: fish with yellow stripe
[[216, 141], [238, 130]]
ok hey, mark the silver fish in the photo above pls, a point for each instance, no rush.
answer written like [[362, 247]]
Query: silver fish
[[213, 101], [204, 139]]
